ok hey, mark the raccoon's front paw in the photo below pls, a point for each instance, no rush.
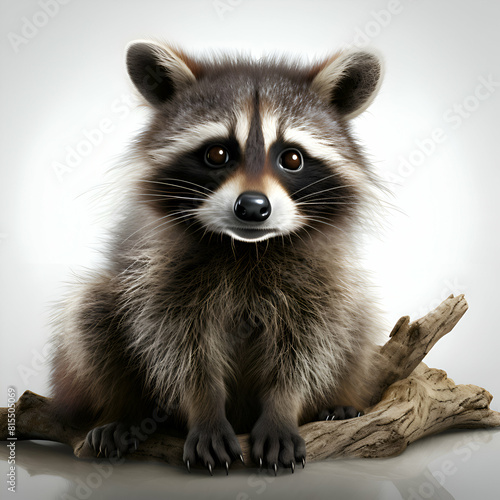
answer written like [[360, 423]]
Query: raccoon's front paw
[[211, 444], [339, 412], [111, 438], [274, 444]]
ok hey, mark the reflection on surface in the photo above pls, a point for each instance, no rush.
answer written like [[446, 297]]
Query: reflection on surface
[[431, 468]]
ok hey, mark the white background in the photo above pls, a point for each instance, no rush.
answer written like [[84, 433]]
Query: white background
[[63, 77]]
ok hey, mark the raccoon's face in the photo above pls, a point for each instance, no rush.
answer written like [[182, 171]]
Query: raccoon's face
[[253, 150]]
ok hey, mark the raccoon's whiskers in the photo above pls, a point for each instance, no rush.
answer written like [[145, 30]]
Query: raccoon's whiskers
[[171, 222], [333, 188], [180, 216], [188, 182], [179, 185], [315, 182], [170, 197], [165, 192], [165, 225], [257, 251], [303, 220], [318, 218], [328, 203], [315, 228], [141, 228], [233, 248], [319, 212], [296, 233], [156, 220], [205, 230], [182, 181], [146, 236]]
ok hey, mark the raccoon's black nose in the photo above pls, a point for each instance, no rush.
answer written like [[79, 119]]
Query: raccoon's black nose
[[252, 206]]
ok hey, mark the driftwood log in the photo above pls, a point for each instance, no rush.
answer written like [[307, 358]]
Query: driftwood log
[[411, 401]]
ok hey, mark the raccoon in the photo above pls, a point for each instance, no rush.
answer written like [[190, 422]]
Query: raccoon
[[232, 297]]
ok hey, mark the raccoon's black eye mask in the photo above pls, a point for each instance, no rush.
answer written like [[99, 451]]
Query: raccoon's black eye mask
[[217, 156]]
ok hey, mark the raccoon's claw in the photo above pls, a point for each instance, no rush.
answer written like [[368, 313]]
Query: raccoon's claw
[[110, 439], [339, 412], [187, 466], [211, 444], [273, 445]]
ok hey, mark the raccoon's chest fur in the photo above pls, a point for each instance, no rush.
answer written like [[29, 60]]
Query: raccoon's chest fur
[[249, 299], [254, 289], [253, 303]]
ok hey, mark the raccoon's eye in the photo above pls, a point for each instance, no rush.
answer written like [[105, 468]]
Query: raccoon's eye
[[291, 159], [216, 156]]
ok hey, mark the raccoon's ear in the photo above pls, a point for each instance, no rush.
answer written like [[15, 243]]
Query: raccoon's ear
[[348, 81], [158, 71]]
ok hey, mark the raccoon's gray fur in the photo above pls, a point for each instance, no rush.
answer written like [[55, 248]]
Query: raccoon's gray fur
[[227, 321]]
